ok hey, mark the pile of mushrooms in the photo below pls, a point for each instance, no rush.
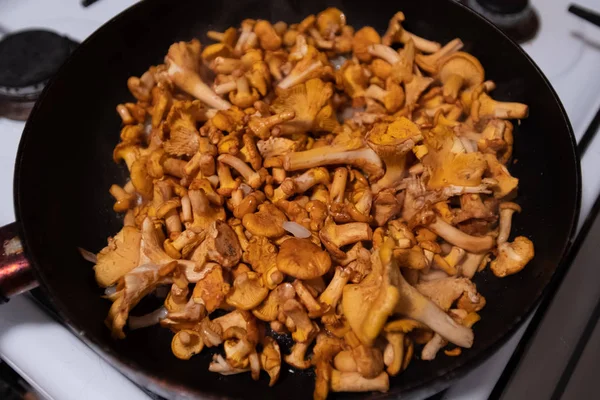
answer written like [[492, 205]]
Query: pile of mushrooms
[[318, 181]]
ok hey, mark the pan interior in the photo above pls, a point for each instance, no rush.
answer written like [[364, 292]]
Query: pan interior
[[65, 168]]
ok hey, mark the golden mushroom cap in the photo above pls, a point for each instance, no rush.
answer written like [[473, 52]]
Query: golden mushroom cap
[[302, 259], [186, 343]]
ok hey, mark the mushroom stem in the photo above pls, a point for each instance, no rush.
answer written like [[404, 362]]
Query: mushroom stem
[[124, 200], [471, 264], [301, 183], [393, 356], [415, 305], [485, 106], [190, 82], [506, 212], [334, 290], [426, 46], [319, 41], [261, 126], [338, 185], [199, 201], [307, 299], [364, 158], [394, 173], [474, 244], [251, 177], [186, 209], [295, 77], [226, 183], [432, 347], [222, 65], [336, 236], [429, 62], [124, 114], [226, 87], [311, 178], [175, 167], [172, 221], [452, 86], [216, 36], [243, 87], [385, 52], [305, 328]]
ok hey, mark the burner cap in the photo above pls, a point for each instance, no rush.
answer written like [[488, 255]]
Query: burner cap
[[27, 60], [515, 17], [31, 57]]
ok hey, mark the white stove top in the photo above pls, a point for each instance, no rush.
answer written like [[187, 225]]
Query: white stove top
[[61, 367]]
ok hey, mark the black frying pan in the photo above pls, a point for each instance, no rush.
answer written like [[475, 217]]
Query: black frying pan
[[64, 169]]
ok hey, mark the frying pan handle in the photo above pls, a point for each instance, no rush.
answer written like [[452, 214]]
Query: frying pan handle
[[16, 273]]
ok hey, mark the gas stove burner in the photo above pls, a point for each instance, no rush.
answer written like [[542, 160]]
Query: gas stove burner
[[515, 17], [28, 59]]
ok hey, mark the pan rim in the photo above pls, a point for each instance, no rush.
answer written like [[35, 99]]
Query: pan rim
[[136, 372]]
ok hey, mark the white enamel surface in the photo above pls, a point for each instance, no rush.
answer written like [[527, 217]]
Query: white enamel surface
[[567, 49]]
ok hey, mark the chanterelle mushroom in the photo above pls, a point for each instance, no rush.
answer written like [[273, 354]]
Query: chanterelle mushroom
[[183, 60], [392, 142], [368, 304], [270, 359], [119, 257], [444, 292], [512, 256], [350, 180], [459, 70], [222, 244], [302, 259], [268, 221]]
